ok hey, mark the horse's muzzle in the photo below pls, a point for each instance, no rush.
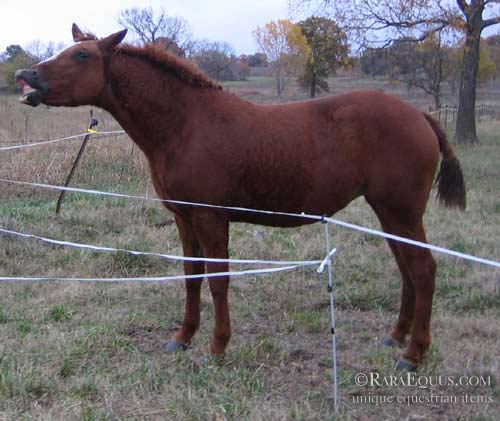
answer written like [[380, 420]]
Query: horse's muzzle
[[33, 88]]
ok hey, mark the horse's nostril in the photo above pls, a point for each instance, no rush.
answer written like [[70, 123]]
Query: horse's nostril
[[34, 73]]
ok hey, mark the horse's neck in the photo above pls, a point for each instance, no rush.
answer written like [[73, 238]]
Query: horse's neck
[[150, 110]]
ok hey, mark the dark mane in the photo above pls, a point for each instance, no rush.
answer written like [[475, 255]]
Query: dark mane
[[183, 69]]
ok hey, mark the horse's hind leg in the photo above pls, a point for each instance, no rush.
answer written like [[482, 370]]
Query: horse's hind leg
[[422, 268], [407, 306], [418, 270]]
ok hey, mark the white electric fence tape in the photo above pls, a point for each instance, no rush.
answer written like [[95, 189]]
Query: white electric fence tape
[[47, 142], [333, 221], [163, 279], [161, 255]]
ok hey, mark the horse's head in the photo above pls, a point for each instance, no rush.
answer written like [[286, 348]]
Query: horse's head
[[75, 76]]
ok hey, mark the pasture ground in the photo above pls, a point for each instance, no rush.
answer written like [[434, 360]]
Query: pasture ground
[[92, 351]]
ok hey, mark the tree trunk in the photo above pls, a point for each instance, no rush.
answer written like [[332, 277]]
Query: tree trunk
[[466, 122], [277, 79], [312, 91], [453, 86], [437, 100]]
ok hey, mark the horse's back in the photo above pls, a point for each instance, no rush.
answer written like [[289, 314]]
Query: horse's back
[[312, 156], [368, 143]]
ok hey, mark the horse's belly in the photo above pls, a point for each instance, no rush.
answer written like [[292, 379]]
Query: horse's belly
[[282, 211]]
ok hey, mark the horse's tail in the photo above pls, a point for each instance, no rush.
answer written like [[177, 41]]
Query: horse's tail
[[450, 180]]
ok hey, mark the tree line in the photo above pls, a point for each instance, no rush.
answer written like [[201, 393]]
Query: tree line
[[372, 23], [413, 42], [217, 58], [311, 50], [430, 64]]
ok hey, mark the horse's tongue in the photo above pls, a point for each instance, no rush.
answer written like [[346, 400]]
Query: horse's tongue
[[25, 86]]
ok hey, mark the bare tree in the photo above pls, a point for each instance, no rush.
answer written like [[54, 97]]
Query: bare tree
[[423, 66], [40, 51], [219, 61], [213, 57], [150, 26], [380, 22]]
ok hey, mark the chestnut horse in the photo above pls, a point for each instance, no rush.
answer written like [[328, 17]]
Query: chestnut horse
[[206, 145]]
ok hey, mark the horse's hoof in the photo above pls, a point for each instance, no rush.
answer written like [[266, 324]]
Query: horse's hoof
[[391, 342], [173, 346], [405, 365]]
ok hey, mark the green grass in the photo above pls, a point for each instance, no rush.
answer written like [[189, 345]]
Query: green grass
[[92, 351]]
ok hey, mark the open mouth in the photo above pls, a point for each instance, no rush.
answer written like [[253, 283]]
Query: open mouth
[[32, 95], [28, 91]]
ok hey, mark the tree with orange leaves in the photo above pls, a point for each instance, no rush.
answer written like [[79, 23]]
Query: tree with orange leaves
[[286, 49]]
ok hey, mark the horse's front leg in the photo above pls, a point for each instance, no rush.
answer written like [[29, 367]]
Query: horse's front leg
[[191, 248], [219, 288], [212, 231]]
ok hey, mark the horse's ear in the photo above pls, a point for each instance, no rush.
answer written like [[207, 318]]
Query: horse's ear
[[113, 40], [77, 33]]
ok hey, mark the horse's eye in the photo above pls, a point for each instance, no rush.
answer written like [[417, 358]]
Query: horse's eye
[[82, 55]]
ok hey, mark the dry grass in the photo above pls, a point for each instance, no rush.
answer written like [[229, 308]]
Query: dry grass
[[93, 351]]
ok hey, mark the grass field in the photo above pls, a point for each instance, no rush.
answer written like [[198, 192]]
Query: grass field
[[92, 351]]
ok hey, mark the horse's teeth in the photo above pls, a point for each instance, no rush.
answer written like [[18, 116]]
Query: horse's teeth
[[27, 89]]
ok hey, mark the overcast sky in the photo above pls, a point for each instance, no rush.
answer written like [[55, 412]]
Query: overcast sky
[[232, 21]]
